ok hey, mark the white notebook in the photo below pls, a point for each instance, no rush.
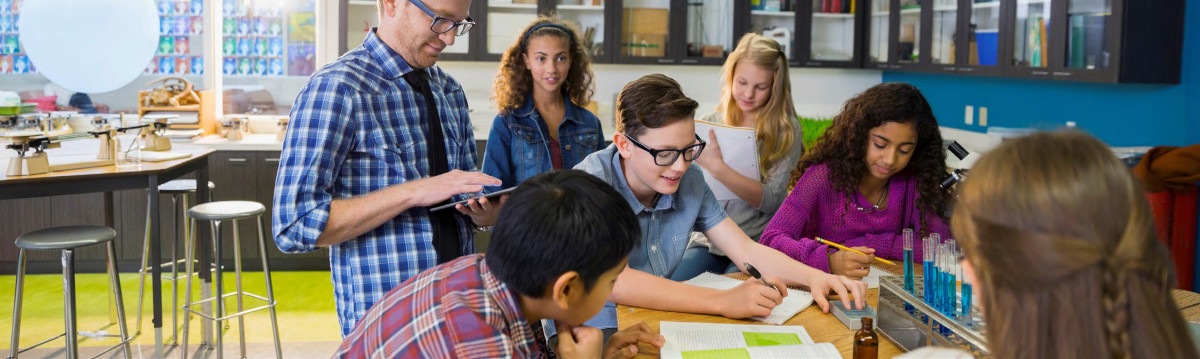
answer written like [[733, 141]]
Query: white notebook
[[792, 304], [739, 149], [710, 340]]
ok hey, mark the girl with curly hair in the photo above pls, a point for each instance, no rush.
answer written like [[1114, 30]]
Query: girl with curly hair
[[1056, 230], [876, 171], [545, 78], [756, 93]]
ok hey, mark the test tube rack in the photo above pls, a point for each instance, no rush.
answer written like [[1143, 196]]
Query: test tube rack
[[911, 323]]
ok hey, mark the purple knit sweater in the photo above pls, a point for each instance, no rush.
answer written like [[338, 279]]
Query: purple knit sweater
[[815, 209]]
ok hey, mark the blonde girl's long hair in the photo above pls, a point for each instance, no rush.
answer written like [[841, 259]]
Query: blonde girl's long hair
[[776, 121], [513, 84], [1064, 247]]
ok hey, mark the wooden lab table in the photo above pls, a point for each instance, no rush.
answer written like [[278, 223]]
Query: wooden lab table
[[148, 175], [822, 327]]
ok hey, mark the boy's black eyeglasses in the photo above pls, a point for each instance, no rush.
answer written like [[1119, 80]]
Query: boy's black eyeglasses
[[442, 25], [668, 157]]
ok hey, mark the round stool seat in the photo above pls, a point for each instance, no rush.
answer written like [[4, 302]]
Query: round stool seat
[[68, 237], [216, 211], [181, 186]]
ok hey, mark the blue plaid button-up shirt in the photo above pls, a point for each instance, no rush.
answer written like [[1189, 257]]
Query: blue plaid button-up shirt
[[358, 127]]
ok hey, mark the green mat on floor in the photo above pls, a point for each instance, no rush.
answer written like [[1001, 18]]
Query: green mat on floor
[[305, 308]]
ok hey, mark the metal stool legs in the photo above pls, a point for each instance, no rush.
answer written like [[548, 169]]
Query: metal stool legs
[[174, 264], [69, 317], [221, 314]]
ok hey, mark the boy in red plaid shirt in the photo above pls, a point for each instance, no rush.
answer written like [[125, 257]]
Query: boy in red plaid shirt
[[559, 244]]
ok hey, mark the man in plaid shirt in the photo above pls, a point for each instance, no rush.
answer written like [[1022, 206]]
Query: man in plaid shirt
[[375, 139], [557, 250]]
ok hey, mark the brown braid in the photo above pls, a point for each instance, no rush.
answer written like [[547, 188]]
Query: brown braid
[[1116, 311]]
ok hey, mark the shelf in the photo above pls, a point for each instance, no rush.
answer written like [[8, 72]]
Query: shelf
[[822, 15], [945, 8], [581, 7], [512, 6], [914, 11], [186, 108], [879, 13], [363, 2], [773, 13], [986, 5]]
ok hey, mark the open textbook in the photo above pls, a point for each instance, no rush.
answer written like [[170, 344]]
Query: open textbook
[[739, 148], [735, 341], [795, 302]]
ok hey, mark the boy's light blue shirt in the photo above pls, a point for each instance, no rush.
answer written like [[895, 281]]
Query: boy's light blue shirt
[[666, 228]]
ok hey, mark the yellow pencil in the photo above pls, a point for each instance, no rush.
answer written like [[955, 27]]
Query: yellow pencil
[[844, 248]]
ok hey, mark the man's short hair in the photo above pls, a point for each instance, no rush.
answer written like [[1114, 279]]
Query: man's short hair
[[557, 222]]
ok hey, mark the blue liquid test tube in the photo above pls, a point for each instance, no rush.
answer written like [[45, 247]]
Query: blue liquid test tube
[[908, 260], [966, 296], [927, 269]]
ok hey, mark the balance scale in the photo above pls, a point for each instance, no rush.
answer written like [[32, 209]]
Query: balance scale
[[38, 162]]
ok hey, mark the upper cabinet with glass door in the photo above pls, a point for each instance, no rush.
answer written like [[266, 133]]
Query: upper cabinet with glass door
[[965, 36], [1116, 41], [503, 22], [710, 36], [643, 30], [895, 34], [777, 20], [590, 16], [830, 33]]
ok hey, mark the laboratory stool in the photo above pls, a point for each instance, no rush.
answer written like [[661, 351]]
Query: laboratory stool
[[67, 239], [177, 188], [215, 213]]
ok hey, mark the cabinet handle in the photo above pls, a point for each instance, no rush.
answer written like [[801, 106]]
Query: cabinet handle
[[883, 66], [812, 63], [1040, 73], [690, 61], [237, 160], [1060, 73], [271, 159], [895, 66], [949, 69], [666, 61], [966, 69]]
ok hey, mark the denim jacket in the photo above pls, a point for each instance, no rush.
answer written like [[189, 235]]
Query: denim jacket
[[518, 145]]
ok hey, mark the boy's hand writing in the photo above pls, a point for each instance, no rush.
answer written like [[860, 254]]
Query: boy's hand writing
[[752, 298]]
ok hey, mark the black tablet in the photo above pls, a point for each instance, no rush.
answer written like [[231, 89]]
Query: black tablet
[[489, 195]]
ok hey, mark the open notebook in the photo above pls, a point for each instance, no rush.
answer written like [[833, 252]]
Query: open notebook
[[795, 302], [710, 340]]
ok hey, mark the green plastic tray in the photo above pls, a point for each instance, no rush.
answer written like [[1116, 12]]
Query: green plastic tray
[[17, 110]]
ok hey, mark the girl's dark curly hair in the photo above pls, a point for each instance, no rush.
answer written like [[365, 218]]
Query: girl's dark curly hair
[[843, 147], [514, 83]]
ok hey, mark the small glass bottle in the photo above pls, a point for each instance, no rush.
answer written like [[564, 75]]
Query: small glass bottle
[[866, 342]]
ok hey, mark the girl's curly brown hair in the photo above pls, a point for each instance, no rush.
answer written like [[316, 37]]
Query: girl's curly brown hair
[[514, 83], [843, 147]]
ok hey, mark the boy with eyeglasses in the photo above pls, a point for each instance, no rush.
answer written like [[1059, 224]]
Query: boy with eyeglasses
[[376, 139], [650, 164]]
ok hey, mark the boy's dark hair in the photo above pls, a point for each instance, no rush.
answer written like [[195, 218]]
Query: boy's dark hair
[[652, 101], [557, 222]]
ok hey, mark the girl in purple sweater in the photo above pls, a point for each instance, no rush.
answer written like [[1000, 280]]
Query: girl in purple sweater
[[876, 171]]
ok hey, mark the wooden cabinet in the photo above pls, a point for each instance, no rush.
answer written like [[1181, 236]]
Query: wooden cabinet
[[250, 176]]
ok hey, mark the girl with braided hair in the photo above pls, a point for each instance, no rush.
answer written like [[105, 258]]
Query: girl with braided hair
[[1060, 241], [876, 171]]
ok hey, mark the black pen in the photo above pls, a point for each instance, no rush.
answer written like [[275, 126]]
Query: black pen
[[756, 274]]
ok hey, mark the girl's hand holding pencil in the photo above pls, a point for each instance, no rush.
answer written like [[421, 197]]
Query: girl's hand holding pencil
[[851, 262]]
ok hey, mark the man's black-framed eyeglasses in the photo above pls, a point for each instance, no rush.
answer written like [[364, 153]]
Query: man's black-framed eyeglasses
[[667, 157], [442, 25]]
